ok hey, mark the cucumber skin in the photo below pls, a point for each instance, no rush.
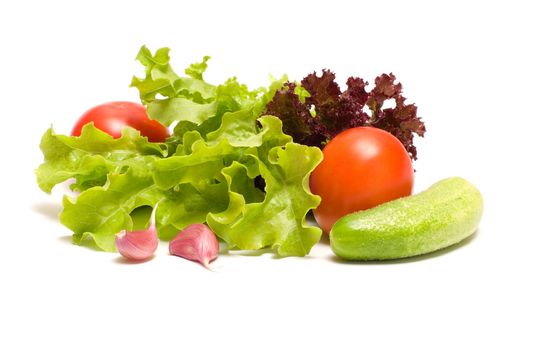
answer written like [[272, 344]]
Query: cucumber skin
[[445, 214]]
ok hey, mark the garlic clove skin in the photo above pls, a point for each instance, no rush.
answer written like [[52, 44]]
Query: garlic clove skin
[[196, 242], [138, 245]]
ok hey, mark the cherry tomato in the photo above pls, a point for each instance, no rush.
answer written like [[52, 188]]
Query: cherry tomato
[[112, 117], [362, 168]]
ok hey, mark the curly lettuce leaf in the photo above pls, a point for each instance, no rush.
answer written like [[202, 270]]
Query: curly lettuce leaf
[[233, 156], [206, 172], [90, 157], [279, 220], [187, 204], [161, 79], [179, 108], [204, 162], [196, 70], [170, 98], [102, 211]]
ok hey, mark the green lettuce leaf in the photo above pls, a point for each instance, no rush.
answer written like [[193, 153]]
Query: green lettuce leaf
[[250, 219], [189, 203], [90, 157], [225, 164], [196, 70], [179, 108], [279, 220], [102, 211], [160, 79], [170, 97]]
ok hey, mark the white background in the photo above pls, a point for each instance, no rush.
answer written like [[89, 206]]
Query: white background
[[477, 71]]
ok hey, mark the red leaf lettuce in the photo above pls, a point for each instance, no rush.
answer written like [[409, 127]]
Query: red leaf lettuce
[[317, 110]]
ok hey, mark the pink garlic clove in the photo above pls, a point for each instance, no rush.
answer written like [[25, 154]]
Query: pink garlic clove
[[196, 242], [138, 245]]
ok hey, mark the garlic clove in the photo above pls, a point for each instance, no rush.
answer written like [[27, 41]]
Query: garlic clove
[[138, 245], [196, 242]]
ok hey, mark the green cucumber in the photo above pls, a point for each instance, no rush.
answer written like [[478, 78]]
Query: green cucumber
[[445, 214]]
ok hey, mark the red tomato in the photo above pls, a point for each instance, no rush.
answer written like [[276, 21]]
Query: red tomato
[[112, 117], [362, 167]]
